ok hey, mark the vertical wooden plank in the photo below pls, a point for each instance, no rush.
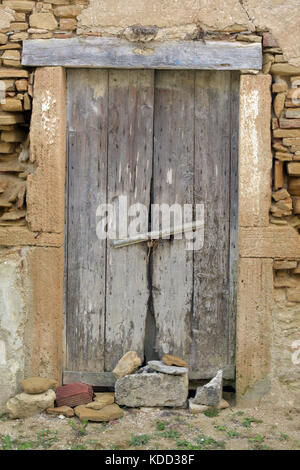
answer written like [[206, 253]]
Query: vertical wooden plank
[[233, 254], [212, 187], [87, 137], [130, 145], [173, 177]]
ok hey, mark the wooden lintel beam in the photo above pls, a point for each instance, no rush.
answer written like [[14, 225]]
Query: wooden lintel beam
[[120, 53]]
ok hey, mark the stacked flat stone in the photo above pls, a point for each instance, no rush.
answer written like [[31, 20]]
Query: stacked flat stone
[[155, 384], [21, 20], [38, 395]]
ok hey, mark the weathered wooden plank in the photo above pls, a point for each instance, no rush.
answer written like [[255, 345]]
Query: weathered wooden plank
[[130, 142], [117, 53], [173, 181], [96, 379], [233, 249], [212, 188], [85, 283]]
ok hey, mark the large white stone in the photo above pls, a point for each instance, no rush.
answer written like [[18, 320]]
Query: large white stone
[[153, 389], [24, 404]]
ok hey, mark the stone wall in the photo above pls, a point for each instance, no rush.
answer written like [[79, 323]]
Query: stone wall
[[275, 23]]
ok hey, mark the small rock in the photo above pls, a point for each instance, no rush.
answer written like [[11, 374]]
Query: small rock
[[278, 104], [145, 370], [34, 385], [61, 410], [195, 409], [152, 390], [222, 405], [171, 370], [25, 404], [128, 364], [210, 393], [101, 400], [170, 360], [105, 397], [108, 413]]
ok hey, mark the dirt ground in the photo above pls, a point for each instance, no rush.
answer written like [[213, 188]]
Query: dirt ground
[[157, 429]]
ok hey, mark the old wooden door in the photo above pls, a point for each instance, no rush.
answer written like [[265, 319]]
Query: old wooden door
[[154, 137]]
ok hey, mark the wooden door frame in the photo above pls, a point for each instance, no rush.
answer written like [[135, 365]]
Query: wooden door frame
[[259, 242]]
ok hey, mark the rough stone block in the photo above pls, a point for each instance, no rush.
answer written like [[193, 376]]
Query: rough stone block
[[280, 194], [67, 24], [66, 411], [196, 409], [278, 104], [292, 113], [285, 69], [35, 385], [289, 123], [278, 175], [25, 405], [12, 104], [101, 400], [45, 206], [127, 364], [16, 135], [13, 73], [284, 156], [154, 389], [108, 413], [254, 325], [43, 20], [211, 393], [3, 38], [19, 5], [67, 11], [279, 87], [293, 168], [279, 133], [255, 156], [293, 295], [294, 186], [269, 41]]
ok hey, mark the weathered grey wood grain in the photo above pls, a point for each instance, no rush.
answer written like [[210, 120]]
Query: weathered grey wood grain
[[87, 138], [97, 379], [173, 180], [117, 53], [183, 301], [212, 187], [131, 96], [233, 255]]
